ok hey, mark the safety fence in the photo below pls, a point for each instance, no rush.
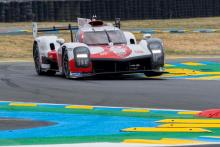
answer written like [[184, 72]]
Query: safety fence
[[69, 10]]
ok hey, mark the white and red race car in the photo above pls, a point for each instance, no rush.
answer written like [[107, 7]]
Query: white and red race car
[[98, 48]]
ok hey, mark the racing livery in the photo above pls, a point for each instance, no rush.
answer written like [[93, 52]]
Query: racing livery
[[97, 48]]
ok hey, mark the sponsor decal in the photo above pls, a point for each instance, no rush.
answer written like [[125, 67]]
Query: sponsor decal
[[114, 52], [139, 51]]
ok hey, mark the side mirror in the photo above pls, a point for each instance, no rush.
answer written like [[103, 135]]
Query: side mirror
[[147, 36], [60, 41], [132, 41]]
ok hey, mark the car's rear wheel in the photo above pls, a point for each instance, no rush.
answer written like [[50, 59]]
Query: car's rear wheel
[[66, 70], [152, 74], [36, 56]]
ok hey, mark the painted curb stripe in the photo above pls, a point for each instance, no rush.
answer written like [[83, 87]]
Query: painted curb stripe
[[183, 71], [169, 65], [165, 141], [189, 126], [4, 103], [23, 104], [193, 64], [209, 62], [188, 112], [107, 109], [217, 137], [136, 110], [69, 117], [51, 105], [142, 129], [191, 121], [79, 107], [203, 70]]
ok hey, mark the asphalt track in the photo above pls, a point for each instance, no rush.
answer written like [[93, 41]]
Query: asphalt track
[[19, 82]]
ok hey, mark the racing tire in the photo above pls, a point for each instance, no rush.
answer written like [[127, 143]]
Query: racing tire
[[66, 70], [152, 74], [36, 56]]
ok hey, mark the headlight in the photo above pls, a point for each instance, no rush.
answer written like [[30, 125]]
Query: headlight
[[156, 51], [82, 56], [155, 47], [158, 55]]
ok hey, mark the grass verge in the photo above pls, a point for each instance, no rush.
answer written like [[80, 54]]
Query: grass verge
[[20, 46]]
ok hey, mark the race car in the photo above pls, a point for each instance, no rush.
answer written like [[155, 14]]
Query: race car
[[97, 48]]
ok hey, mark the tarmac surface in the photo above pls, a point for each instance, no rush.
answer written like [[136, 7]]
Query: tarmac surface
[[19, 82]]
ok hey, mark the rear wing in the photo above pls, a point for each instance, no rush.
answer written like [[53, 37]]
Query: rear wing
[[82, 22], [36, 30]]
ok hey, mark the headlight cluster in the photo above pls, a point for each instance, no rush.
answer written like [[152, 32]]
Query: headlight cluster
[[81, 56], [155, 47]]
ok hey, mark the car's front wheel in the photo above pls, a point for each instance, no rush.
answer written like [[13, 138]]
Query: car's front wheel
[[66, 70]]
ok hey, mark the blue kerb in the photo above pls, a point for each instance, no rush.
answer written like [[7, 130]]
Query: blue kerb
[[4, 103], [52, 106]]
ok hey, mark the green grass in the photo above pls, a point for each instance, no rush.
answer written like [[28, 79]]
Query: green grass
[[192, 23]]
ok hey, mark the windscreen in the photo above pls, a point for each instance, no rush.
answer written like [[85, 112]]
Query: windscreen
[[93, 38], [104, 37]]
